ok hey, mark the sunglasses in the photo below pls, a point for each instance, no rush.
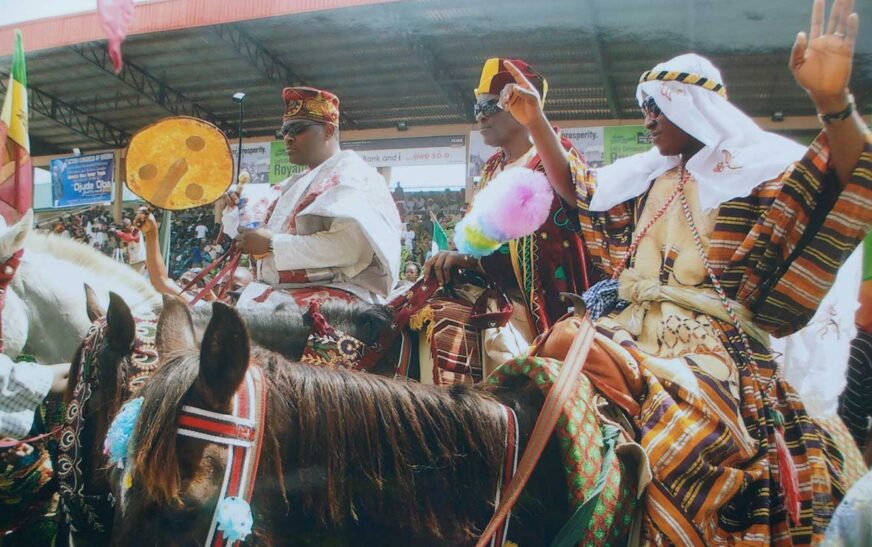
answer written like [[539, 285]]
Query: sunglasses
[[292, 128], [487, 108], [650, 108]]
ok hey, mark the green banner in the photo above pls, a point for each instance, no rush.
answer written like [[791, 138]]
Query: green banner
[[280, 166], [621, 141]]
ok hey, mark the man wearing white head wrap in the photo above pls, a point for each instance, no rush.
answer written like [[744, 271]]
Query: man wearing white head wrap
[[723, 235]]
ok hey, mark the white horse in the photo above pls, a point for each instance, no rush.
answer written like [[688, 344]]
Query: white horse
[[45, 313]]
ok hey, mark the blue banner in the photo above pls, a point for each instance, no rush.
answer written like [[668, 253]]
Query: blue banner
[[82, 180]]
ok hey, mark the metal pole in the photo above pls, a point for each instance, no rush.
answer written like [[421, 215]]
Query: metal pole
[[239, 130]]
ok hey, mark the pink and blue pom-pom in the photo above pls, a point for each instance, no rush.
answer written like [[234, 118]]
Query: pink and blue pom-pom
[[234, 518], [514, 204], [117, 440]]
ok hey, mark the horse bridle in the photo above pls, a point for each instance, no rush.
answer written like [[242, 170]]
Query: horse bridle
[[97, 510], [242, 433]]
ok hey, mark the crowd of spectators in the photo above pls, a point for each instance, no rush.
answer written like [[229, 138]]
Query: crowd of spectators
[[418, 211], [94, 226], [194, 242]]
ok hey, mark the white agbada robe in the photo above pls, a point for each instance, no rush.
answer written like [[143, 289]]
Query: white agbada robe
[[334, 226]]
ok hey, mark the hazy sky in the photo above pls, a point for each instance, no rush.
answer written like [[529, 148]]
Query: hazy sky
[[16, 11]]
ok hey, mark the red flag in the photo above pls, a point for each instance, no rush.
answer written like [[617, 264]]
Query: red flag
[[116, 16], [16, 170]]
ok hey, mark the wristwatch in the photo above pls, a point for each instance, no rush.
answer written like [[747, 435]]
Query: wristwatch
[[840, 115], [270, 245]]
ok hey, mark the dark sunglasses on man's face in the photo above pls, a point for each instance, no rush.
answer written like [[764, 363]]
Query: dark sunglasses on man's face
[[292, 129], [487, 108], [650, 108]]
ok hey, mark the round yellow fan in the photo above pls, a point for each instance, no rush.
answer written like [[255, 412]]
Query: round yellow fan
[[179, 163]]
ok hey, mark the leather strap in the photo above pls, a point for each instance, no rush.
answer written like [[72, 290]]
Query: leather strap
[[556, 399]]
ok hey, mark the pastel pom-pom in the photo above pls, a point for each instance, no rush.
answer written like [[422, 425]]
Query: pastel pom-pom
[[234, 518], [117, 441], [470, 240], [515, 203]]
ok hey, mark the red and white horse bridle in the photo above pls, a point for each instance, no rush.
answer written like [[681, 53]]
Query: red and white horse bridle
[[242, 432]]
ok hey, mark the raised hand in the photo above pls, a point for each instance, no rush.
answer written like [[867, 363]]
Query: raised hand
[[521, 98], [145, 221], [821, 61]]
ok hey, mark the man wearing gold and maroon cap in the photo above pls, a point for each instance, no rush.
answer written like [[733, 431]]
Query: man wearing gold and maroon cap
[[533, 270], [334, 232]]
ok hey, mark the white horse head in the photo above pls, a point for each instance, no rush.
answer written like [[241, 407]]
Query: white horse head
[[14, 311], [46, 310]]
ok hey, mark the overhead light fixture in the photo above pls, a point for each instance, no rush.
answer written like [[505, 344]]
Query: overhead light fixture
[[402, 126], [778, 116]]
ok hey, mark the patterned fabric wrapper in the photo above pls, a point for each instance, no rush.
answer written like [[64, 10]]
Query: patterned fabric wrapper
[[579, 432]]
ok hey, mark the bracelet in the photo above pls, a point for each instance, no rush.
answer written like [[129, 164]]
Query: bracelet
[[843, 114]]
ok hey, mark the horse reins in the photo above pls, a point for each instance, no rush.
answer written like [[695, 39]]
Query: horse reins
[[231, 257], [554, 402], [510, 467], [413, 300]]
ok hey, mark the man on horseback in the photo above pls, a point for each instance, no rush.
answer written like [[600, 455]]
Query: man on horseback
[[535, 269], [334, 232], [718, 237]]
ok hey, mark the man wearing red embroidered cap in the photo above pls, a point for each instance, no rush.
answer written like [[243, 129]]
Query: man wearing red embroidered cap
[[334, 231], [535, 269]]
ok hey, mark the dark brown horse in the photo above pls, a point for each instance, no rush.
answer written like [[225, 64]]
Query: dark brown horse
[[348, 458], [108, 368]]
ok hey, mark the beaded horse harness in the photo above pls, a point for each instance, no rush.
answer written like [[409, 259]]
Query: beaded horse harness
[[81, 508]]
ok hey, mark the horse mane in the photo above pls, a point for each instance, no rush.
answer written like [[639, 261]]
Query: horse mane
[[284, 331], [348, 448], [362, 320], [89, 258]]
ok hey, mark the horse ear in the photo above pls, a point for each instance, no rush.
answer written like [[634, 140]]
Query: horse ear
[[224, 355], [13, 239], [92, 304], [175, 328], [120, 325]]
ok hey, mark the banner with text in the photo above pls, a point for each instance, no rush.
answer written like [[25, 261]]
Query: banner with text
[[590, 141], [82, 180], [280, 167], [255, 160], [625, 140], [441, 150]]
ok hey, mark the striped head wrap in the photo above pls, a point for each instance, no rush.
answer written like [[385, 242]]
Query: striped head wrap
[[685, 78]]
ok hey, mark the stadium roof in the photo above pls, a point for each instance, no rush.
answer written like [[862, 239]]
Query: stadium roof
[[411, 61]]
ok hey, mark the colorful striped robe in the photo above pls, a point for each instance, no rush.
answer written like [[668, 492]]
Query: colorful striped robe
[[712, 452]]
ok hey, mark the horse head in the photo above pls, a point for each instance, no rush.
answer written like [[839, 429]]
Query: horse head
[[347, 457], [115, 358], [13, 311], [13, 237]]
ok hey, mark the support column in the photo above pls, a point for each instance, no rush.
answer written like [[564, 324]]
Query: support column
[[119, 187]]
